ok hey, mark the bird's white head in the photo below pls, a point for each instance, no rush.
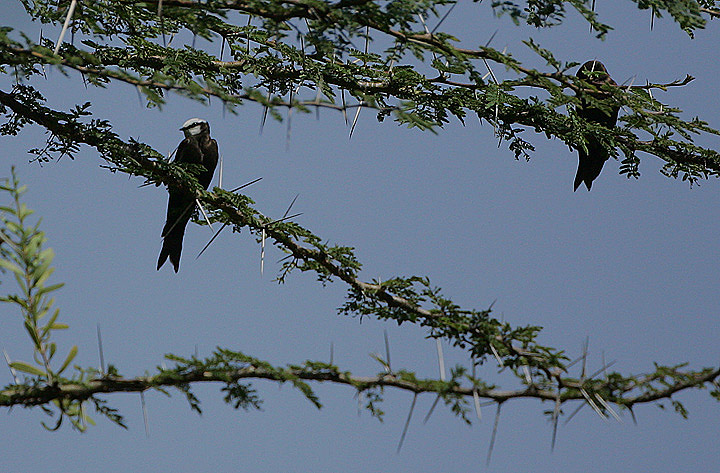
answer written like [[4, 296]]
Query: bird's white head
[[194, 127]]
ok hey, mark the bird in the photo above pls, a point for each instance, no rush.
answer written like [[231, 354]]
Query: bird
[[591, 162], [197, 148]]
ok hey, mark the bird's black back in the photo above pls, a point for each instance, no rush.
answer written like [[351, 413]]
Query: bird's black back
[[594, 72], [591, 162], [201, 150], [209, 161]]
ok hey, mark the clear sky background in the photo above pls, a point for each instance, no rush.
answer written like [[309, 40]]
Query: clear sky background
[[633, 265]]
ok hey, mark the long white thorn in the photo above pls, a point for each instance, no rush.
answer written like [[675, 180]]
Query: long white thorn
[[246, 184], [317, 103], [100, 350], [202, 210], [555, 417], [266, 108], [432, 408], [476, 396], [220, 174], [574, 412], [497, 355], [290, 206], [162, 23], [494, 434], [367, 38], [248, 37], [592, 404], [607, 407], [407, 423], [357, 114], [12, 370], [42, 66], [652, 19], [145, 415], [211, 240], [285, 218], [443, 18], [344, 106], [68, 19], [83, 415], [441, 359], [476, 401], [422, 20], [528, 378], [262, 254], [603, 368], [632, 81]]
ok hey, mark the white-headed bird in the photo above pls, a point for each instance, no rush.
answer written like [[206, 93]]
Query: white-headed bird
[[196, 148]]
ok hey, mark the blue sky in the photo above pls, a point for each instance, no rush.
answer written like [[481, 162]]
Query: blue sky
[[632, 265]]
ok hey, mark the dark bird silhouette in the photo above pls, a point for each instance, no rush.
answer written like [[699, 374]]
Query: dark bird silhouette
[[196, 148], [591, 161]]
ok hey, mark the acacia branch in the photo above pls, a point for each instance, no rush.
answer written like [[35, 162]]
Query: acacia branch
[[137, 82], [110, 143], [317, 11], [31, 395], [506, 116], [714, 13], [37, 395], [141, 159], [547, 369], [326, 11]]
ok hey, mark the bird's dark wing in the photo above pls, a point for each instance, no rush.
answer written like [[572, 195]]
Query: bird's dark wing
[[188, 151], [209, 161], [606, 116], [181, 206], [590, 163]]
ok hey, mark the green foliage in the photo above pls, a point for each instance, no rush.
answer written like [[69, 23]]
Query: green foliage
[[382, 56], [23, 256], [378, 52]]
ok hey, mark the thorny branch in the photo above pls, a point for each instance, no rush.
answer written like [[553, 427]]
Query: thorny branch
[[320, 372], [377, 81], [277, 63], [547, 366], [207, 91]]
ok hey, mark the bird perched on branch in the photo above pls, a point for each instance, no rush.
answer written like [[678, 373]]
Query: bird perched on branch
[[591, 161], [196, 148]]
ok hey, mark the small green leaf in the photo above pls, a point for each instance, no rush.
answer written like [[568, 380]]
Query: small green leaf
[[50, 323], [12, 267], [33, 334], [51, 288], [23, 211], [70, 357], [54, 316], [24, 367]]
